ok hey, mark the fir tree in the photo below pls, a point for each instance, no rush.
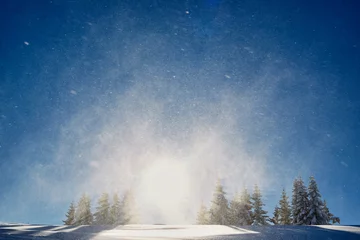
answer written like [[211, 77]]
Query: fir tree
[[219, 206], [115, 210], [238, 213], [246, 201], [295, 196], [102, 214], [259, 215], [316, 215], [70, 215], [83, 214], [300, 207], [234, 208], [202, 216], [276, 218], [128, 209], [327, 212], [285, 210]]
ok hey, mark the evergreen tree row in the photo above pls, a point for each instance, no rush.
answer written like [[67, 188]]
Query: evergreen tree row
[[307, 208], [106, 213]]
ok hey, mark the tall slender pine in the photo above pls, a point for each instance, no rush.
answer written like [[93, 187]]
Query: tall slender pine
[[83, 215], [316, 215], [70, 215], [259, 214], [219, 209], [295, 196], [115, 210], [202, 216], [300, 203], [102, 214], [238, 213], [285, 210], [246, 201]]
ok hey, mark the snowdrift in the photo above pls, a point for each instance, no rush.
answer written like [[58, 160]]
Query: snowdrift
[[19, 231]]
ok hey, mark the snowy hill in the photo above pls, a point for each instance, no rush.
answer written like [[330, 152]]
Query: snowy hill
[[12, 231]]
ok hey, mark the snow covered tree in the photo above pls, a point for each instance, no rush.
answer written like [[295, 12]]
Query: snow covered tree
[[276, 218], [83, 214], [70, 215], [246, 201], [219, 209], [202, 216], [128, 209], [285, 210], [238, 213], [330, 217], [327, 212], [259, 215], [295, 197], [234, 210], [115, 210], [316, 214], [300, 203], [102, 214]]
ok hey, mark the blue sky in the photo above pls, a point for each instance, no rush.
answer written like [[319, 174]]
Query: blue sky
[[272, 84]]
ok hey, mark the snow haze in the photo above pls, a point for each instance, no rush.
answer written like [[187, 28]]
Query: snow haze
[[108, 98]]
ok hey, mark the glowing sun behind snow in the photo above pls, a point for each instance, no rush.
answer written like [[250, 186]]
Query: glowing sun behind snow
[[164, 186]]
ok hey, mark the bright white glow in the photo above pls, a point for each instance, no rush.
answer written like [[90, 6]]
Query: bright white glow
[[174, 231], [165, 186]]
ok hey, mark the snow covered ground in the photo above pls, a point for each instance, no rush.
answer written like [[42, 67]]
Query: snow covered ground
[[17, 231]]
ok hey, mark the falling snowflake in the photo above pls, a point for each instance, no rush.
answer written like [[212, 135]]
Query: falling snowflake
[[94, 164], [344, 164], [26, 43], [73, 92]]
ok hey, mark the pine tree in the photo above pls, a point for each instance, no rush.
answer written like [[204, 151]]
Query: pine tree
[[316, 215], [234, 208], [327, 213], [259, 215], [128, 209], [276, 218], [202, 217], [295, 196], [238, 213], [285, 210], [83, 214], [331, 219], [115, 211], [246, 201], [300, 201], [102, 214], [219, 206], [70, 215]]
